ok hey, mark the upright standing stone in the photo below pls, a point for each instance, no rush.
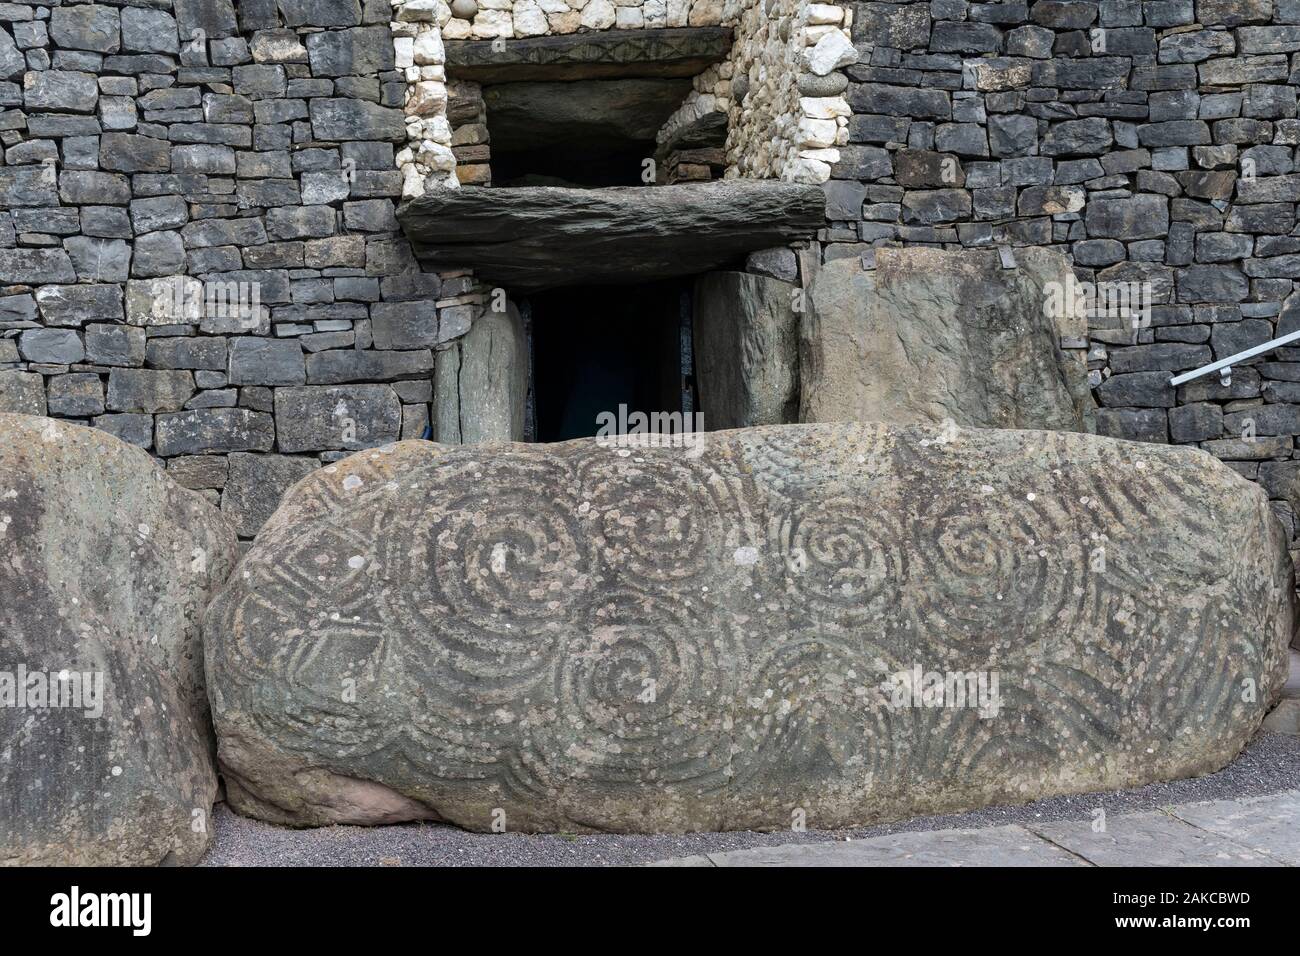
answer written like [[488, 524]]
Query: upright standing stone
[[109, 565], [746, 348], [481, 382], [929, 336]]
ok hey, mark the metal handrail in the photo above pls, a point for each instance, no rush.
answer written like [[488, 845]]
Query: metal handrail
[[1231, 360]]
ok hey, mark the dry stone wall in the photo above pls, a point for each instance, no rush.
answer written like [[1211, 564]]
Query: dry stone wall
[[154, 155], [198, 247], [1155, 142], [780, 89]]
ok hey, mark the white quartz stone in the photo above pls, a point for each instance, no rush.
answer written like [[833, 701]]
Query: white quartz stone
[[404, 51], [490, 24], [457, 30], [529, 20], [832, 51], [412, 182], [824, 13], [828, 155], [436, 156], [705, 13], [817, 133], [428, 48], [427, 98], [438, 130], [598, 15], [628, 18], [824, 107], [418, 10]]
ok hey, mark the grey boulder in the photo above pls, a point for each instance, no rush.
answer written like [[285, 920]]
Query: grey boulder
[[109, 565], [615, 635], [934, 336]]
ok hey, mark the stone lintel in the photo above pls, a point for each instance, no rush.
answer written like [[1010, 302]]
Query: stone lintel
[[675, 51], [542, 237]]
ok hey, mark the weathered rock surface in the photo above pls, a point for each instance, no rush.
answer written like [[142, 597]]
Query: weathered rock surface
[[108, 567], [610, 53], [746, 341], [481, 386], [930, 336], [541, 237], [577, 636]]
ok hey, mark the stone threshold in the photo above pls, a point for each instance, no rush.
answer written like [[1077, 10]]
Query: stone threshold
[[672, 51], [542, 237]]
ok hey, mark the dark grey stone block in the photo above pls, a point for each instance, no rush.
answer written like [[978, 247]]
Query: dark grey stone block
[[345, 417], [1264, 420], [361, 51], [1091, 136], [75, 305], [90, 26], [122, 345], [206, 430], [336, 119], [1134, 424], [51, 346], [149, 31], [185, 352], [158, 254], [404, 325], [134, 429], [1137, 217], [265, 361], [63, 90], [254, 485], [148, 390], [77, 395], [212, 19]]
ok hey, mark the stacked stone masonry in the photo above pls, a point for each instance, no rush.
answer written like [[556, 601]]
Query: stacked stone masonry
[[156, 152], [267, 142], [1154, 142], [780, 89]]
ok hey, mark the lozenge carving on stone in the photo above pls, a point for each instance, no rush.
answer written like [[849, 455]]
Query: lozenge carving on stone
[[617, 636]]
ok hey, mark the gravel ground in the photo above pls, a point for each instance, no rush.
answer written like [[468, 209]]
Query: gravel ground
[[1270, 764]]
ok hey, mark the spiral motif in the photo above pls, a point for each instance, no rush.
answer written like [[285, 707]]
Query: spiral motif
[[640, 698], [841, 557], [778, 462], [663, 519], [600, 636], [486, 582], [976, 580]]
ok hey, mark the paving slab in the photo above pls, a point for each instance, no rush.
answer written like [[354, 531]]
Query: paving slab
[[1268, 825], [994, 846], [1148, 839]]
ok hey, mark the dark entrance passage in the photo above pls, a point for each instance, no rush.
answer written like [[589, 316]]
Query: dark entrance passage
[[586, 134], [596, 348]]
